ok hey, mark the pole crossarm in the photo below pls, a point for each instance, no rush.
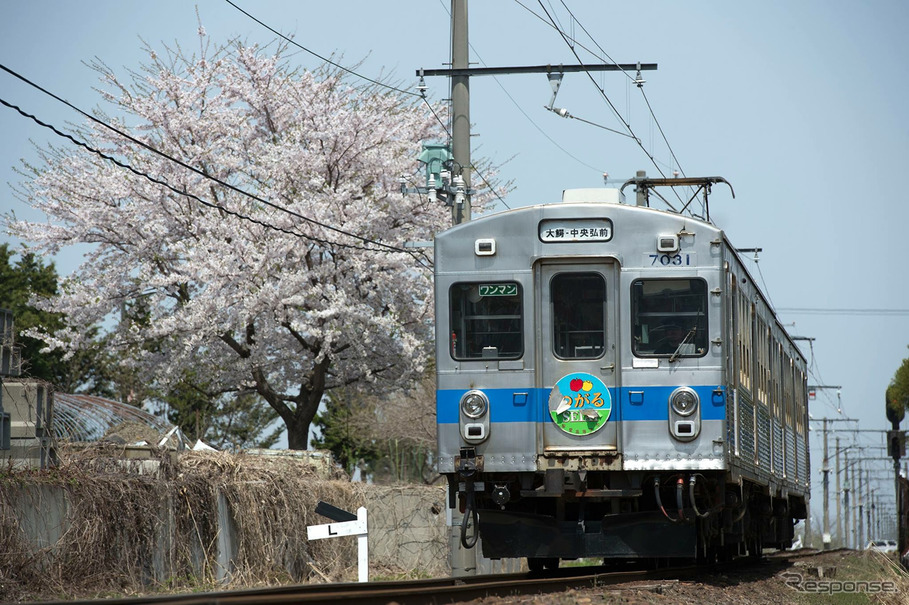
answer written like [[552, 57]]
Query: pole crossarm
[[536, 69]]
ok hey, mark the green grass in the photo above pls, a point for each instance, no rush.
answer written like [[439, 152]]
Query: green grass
[[846, 587]]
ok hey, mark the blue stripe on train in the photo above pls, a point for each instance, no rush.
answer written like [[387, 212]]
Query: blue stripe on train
[[628, 403]]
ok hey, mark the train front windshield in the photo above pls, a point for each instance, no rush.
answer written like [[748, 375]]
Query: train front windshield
[[669, 317], [486, 321], [578, 315]]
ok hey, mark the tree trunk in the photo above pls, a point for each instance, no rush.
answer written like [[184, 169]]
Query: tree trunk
[[298, 434], [299, 421]]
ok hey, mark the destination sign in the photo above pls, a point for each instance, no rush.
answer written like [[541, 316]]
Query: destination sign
[[575, 230]]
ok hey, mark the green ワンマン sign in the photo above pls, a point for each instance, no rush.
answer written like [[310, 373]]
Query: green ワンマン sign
[[498, 289]]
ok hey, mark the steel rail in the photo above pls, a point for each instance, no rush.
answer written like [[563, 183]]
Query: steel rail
[[438, 590]]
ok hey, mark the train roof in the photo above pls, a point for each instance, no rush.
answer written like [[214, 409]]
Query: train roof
[[585, 209]]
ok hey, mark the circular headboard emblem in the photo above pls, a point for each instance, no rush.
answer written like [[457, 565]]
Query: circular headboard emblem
[[580, 404]]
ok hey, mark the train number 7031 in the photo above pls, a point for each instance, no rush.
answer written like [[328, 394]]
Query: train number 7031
[[672, 260]]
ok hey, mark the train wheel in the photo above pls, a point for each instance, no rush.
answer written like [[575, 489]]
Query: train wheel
[[707, 555], [755, 548], [536, 564], [728, 552]]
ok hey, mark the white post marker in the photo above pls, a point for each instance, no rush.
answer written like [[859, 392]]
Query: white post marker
[[347, 528]]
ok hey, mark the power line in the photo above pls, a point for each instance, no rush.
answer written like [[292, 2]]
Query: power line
[[612, 130], [524, 113], [662, 134], [320, 57], [844, 311], [137, 172], [186, 194], [196, 170], [609, 59], [339, 66], [422, 97]]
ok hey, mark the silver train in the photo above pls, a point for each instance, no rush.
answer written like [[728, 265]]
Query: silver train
[[612, 383]]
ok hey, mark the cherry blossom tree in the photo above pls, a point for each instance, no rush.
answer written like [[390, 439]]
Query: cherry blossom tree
[[304, 285]]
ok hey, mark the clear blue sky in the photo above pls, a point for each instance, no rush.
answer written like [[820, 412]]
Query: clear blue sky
[[800, 105]]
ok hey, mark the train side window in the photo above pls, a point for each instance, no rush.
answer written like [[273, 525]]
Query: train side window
[[578, 315], [486, 321], [669, 317]]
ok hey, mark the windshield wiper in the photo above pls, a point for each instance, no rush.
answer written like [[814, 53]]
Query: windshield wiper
[[678, 350]]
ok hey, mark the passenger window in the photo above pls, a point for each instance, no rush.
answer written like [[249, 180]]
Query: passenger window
[[486, 321], [669, 317], [578, 315]]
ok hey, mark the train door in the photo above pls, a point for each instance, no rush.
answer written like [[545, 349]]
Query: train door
[[576, 324]]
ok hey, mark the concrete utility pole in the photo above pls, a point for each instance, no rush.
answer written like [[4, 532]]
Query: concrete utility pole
[[460, 109], [861, 522], [825, 469], [846, 489], [896, 443], [463, 560], [870, 507], [460, 73], [839, 511]]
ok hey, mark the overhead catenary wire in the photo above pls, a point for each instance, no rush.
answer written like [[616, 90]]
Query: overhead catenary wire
[[610, 103], [576, 43], [571, 45], [606, 58], [641, 88], [813, 370], [756, 260], [194, 169]]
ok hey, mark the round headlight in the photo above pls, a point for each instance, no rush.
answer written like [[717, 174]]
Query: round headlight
[[474, 404], [684, 401]]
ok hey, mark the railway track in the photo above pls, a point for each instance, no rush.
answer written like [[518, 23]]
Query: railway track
[[443, 590]]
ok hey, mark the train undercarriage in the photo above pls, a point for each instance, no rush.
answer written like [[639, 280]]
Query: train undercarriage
[[623, 516]]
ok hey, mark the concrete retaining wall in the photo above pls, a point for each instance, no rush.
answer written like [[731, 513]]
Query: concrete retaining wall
[[407, 533]]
